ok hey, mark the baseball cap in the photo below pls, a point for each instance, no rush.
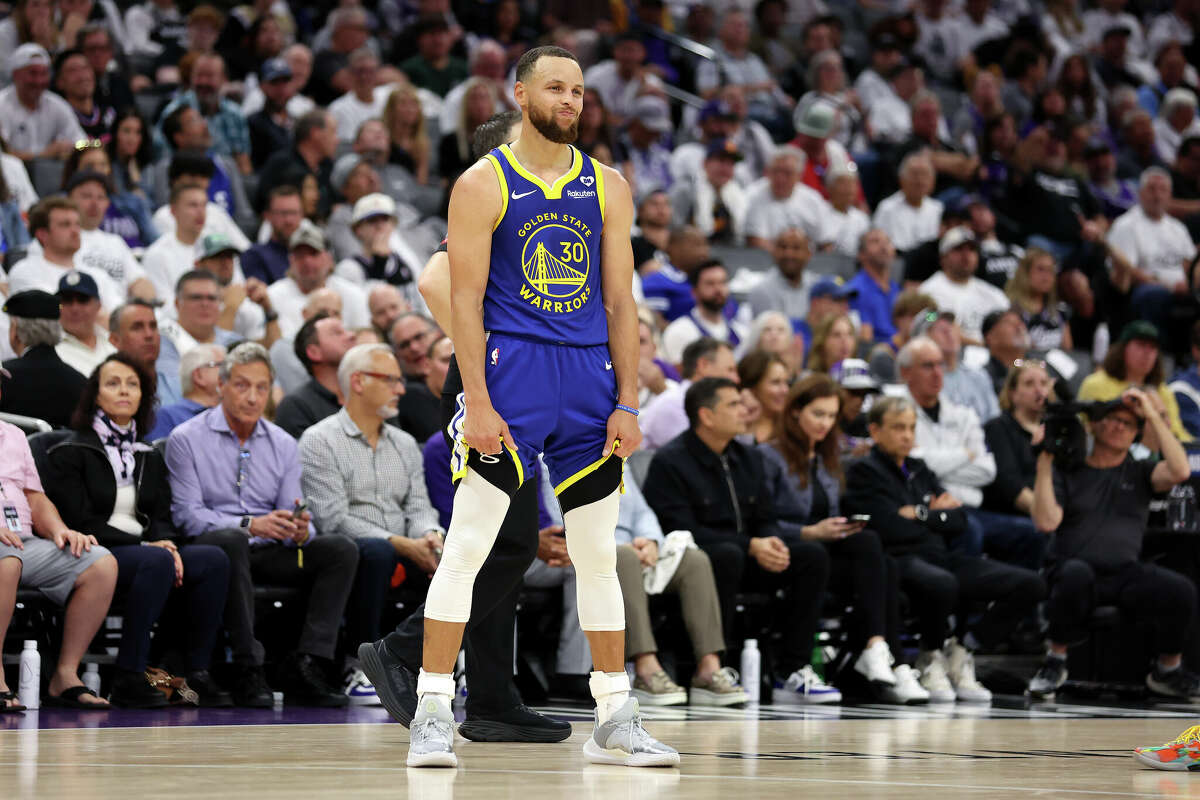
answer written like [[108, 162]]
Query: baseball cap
[[653, 112], [1179, 96], [275, 69], [342, 169], [853, 373], [815, 120], [723, 148], [1119, 29], [926, 319], [214, 244], [307, 235], [76, 282], [829, 286], [1139, 329], [967, 200], [715, 108], [955, 237], [373, 205], [32, 304], [27, 54], [1096, 145]]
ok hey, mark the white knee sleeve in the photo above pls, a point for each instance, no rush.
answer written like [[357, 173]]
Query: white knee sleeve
[[479, 509], [593, 552]]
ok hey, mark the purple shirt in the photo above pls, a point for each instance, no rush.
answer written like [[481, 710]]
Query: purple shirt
[[436, 455], [206, 459]]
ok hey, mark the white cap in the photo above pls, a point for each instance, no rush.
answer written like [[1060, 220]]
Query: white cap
[[955, 237], [26, 54], [1178, 96], [373, 205]]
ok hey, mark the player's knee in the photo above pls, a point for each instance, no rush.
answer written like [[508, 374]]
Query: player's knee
[[593, 487]]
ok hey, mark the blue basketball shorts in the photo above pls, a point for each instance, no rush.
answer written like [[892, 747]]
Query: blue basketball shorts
[[556, 400]]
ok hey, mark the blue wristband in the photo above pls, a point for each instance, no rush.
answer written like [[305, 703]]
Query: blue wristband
[[627, 409]]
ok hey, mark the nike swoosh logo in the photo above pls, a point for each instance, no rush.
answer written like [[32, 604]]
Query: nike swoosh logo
[[516, 196]]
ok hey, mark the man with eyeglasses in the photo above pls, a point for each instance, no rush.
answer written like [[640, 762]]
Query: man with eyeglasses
[[320, 344], [235, 483], [366, 480], [197, 308], [201, 389], [410, 335], [1098, 512]]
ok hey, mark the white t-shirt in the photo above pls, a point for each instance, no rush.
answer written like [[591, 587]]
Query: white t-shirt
[[35, 272], [889, 118], [845, 230], [103, 251], [165, 261], [767, 216], [617, 93], [79, 356], [288, 301], [906, 226], [970, 301], [31, 131], [687, 164], [16, 177], [216, 220], [350, 113], [684, 330], [1159, 247]]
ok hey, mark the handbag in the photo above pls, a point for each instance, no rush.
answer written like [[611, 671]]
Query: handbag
[[175, 688]]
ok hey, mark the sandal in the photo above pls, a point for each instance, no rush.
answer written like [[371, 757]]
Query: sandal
[[70, 699], [8, 704]]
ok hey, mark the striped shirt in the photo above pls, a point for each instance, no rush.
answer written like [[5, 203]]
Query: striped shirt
[[360, 492]]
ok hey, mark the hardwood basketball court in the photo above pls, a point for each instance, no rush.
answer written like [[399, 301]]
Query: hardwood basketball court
[[1068, 751]]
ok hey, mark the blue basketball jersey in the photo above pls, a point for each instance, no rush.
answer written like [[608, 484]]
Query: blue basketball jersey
[[544, 282]]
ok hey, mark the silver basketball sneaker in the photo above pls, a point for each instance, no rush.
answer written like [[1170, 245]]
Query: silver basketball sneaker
[[431, 735], [624, 742]]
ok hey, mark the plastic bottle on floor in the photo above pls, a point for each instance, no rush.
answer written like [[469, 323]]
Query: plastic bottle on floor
[[91, 678], [751, 670], [30, 684]]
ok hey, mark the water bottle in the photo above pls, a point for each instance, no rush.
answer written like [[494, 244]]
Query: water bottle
[[91, 678], [751, 669], [30, 684]]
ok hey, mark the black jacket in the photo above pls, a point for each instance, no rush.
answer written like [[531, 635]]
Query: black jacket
[[42, 386], [420, 411], [1016, 465], [79, 479], [875, 485], [305, 407], [716, 497]]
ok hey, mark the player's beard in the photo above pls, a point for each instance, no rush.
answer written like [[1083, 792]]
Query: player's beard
[[547, 125]]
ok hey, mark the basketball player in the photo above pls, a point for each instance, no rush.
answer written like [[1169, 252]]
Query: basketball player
[[545, 331], [494, 709]]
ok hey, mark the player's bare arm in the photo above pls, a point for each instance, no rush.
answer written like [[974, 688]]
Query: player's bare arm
[[616, 263], [475, 205]]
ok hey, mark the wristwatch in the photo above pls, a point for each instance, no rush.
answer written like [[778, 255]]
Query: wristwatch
[[245, 523], [921, 512], [270, 315]]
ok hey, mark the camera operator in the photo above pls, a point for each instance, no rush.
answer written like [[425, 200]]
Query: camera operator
[[1099, 510]]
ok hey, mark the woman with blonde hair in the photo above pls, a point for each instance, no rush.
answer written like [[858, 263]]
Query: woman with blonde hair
[[405, 123], [1033, 289], [833, 340], [479, 103]]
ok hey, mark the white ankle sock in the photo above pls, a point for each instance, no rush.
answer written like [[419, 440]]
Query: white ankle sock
[[611, 691], [438, 683]]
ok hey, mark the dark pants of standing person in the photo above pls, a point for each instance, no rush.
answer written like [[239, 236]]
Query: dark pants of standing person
[[804, 581], [859, 568], [937, 592], [377, 562], [1154, 595], [1010, 538], [327, 574], [489, 634], [145, 578]]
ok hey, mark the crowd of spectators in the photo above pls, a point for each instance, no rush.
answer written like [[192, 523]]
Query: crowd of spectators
[[873, 242]]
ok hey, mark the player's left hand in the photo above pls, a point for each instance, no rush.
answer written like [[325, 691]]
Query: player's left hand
[[624, 436]]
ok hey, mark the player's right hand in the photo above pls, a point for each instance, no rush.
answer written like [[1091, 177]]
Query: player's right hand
[[486, 431]]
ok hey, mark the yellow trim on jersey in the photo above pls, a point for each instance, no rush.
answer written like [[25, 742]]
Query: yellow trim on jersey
[[588, 470], [552, 192], [503, 188], [596, 168]]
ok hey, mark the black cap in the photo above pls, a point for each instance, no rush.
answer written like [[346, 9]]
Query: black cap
[[76, 282], [32, 304], [1096, 145]]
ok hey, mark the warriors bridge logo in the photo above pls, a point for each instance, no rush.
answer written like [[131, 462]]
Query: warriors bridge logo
[[556, 261]]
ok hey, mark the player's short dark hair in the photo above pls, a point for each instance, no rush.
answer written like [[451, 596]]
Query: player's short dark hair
[[712, 263], [306, 336], [703, 394], [493, 133], [190, 163], [173, 123], [530, 58], [703, 348]]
